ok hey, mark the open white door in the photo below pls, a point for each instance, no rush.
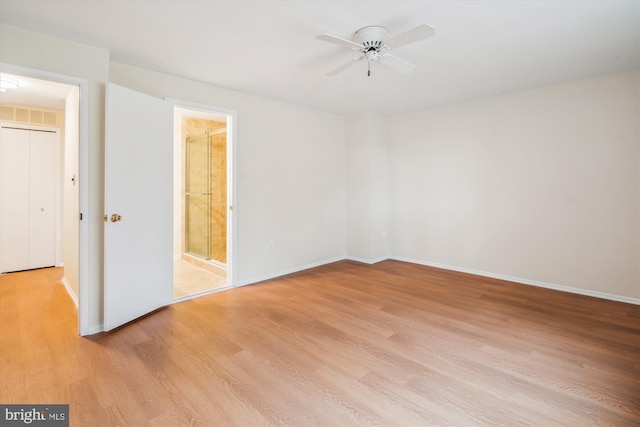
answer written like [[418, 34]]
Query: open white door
[[138, 266]]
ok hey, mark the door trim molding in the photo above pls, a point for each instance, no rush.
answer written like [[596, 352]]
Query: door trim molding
[[232, 141], [84, 289]]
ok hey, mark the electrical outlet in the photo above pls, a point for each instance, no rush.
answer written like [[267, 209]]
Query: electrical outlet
[[271, 246]]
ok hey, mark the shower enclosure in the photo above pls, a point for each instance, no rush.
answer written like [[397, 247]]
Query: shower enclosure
[[205, 195]]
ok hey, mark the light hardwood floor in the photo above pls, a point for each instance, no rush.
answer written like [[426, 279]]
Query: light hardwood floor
[[392, 344]]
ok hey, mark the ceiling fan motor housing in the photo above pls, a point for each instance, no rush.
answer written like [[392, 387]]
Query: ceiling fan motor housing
[[372, 38]]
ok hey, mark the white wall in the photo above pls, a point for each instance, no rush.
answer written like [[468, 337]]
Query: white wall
[[541, 185], [290, 174], [367, 187]]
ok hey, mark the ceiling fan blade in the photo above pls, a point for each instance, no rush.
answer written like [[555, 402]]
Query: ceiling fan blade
[[338, 40], [345, 66], [398, 64], [413, 35]]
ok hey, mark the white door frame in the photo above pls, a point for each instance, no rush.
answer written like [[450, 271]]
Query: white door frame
[[232, 137], [83, 179]]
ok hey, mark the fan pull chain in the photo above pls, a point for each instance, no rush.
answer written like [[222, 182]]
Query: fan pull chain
[[368, 68]]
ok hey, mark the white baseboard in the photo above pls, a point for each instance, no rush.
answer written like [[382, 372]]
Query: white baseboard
[[553, 286], [285, 272], [67, 286], [100, 328], [596, 294]]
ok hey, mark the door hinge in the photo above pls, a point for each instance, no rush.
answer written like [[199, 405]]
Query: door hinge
[[80, 216]]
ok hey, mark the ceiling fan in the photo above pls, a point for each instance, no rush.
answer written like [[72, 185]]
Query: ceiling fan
[[372, 42]]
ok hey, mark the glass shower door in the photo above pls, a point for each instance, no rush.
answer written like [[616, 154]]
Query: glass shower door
[[198, 196]]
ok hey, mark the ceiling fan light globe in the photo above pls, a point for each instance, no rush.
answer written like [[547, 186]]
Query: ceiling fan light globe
[[372, 55]]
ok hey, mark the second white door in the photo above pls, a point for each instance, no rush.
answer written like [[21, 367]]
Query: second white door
[[138, 265]]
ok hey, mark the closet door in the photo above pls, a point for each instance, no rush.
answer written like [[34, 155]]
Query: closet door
[[14, 199], [28, 180], [42, 199]]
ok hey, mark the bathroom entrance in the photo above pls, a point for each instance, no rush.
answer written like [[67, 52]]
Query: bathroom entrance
[[201, 249]]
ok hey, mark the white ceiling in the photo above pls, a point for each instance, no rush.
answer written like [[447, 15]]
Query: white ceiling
[[35, 93], [268, 48]]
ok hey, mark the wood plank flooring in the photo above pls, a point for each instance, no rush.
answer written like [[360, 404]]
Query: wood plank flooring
[[346, 344]]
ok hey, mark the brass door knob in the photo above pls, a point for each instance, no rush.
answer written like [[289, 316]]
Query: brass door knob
[[115, 218]]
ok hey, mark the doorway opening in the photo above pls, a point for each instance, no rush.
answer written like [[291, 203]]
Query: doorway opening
[[201, 202], [44, 105]]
